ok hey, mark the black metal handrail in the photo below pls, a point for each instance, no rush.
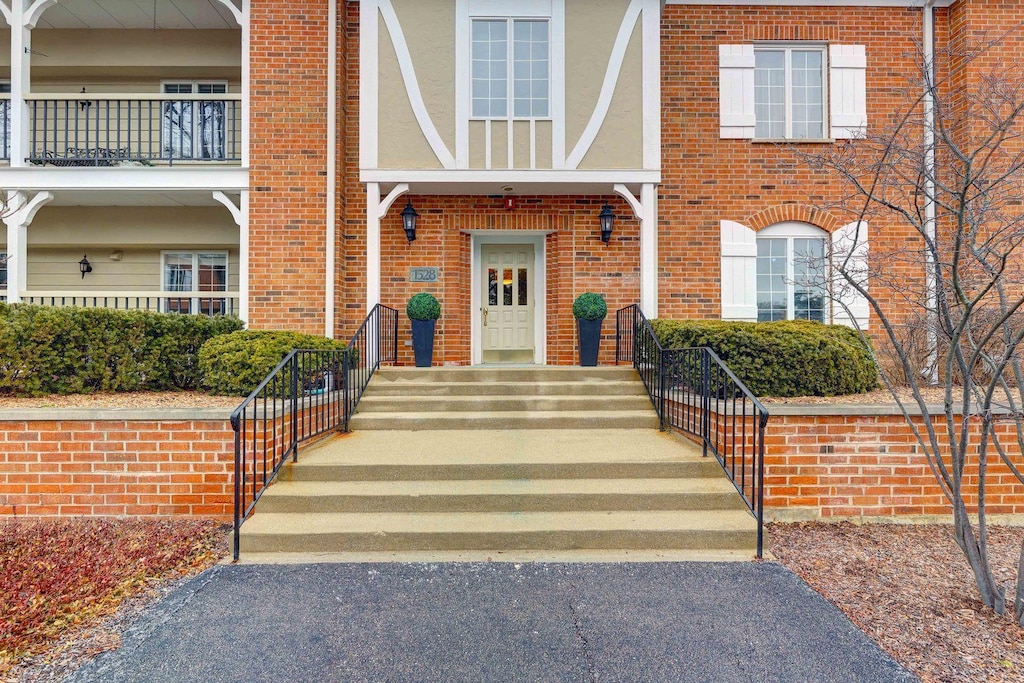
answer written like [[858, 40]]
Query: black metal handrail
[[694, 392], [309, 393]]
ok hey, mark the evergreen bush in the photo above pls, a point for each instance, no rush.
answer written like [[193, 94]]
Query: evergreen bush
[[235, 364], [67, 350], [423, 306], [785, 358]]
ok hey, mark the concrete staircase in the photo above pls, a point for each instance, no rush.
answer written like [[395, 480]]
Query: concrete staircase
[[512, 464]]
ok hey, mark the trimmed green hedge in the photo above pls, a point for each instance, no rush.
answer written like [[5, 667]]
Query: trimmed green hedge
[[64, 350], [234, 364], [787, 358]]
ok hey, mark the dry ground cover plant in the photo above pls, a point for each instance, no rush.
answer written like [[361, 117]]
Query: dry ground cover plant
[[911, 590], [60, 575]]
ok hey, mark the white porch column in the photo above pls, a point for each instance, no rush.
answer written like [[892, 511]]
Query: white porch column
[[22, 208], [646, 211], [24, 15], [240, 214], [649, 250], [372, 245]]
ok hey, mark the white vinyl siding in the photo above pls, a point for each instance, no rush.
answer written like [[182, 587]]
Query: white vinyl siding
[[523, 62]]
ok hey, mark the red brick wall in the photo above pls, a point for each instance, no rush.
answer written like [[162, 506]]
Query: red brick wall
[[577, 261], [117, 467], [865, 466], [706, 179], [288, 152]]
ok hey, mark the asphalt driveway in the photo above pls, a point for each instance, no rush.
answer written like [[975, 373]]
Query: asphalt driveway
[[495, 622]]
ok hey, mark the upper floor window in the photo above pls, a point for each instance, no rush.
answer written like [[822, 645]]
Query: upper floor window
[[193, 129], [791, 270], [516, 52], [789, 92]]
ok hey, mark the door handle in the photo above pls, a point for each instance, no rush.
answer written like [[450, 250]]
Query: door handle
[[485, 316]]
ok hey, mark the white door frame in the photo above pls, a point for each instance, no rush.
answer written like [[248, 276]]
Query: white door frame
[[540, 286]]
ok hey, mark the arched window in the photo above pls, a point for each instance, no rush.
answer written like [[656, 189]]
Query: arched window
[[792, 263]]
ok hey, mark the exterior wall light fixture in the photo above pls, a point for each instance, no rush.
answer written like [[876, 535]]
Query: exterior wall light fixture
[[607, 219], [84, 266], [409, 217]]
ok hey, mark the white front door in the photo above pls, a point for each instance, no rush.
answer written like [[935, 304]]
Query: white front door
[[507, 313]]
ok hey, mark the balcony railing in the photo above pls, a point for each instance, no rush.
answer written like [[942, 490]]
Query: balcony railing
[[133, 129], [200, 303]]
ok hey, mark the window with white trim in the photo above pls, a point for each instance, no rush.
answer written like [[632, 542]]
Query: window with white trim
[[193, 129], [789, 92], [791, 274], [3, 269], [792, 91], [193, 272], [516, 52]]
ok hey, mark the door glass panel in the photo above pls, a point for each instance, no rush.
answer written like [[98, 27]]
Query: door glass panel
[[492, 287], [506, 281], [522, 287]]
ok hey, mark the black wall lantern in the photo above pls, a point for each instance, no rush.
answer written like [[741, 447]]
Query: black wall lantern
[[84, 266], [409, 217], [607, 219]]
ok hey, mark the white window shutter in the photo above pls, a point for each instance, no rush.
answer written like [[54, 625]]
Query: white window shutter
[[851, 308], [739, 272], [848, 88], [736, 91]]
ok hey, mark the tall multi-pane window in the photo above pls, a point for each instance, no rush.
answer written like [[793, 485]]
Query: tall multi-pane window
[[3, 269], [516, 52], [5, 120], [196, 272], [789, 92], [791, 275], [193, 129]]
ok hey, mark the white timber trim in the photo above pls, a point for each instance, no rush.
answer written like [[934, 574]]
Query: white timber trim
[[477, 176], [5, 10], [22, 211], [21, 83], [396, 192], [611, 79], [462, 86], [412, 87], [246, 90], [368, 83], [651, 83], [634, 203], [557, 76], [237, 13], [649, 250], [234, 209], [331, 232], [538, 238], [372, 246], [127, 178], [34, 12], [914, 4]]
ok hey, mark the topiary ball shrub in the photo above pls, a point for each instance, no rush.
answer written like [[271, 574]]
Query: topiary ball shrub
[[786, 358], [589, 306], [423, 306], [235, 364]]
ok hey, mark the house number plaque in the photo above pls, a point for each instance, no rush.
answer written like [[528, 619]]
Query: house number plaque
[[424, 274]]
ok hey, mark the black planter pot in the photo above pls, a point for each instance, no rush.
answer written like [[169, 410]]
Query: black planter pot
[[590, 340], [423, 342]]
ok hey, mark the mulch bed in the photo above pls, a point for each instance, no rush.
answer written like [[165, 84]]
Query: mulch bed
[[127, 399], [59, 577], [910, 589]]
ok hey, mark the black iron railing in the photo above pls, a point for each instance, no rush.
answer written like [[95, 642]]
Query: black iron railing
[[309, 393], [694, 392], [129, 130]]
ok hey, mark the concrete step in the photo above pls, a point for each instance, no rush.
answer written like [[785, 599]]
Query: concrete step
[[503, 495], [527, 419], [561, 556], [504, 373], [504, 404], [611, 387], [364, 532]]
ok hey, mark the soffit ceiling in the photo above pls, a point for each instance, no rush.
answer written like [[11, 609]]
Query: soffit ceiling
[[138, 14]]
